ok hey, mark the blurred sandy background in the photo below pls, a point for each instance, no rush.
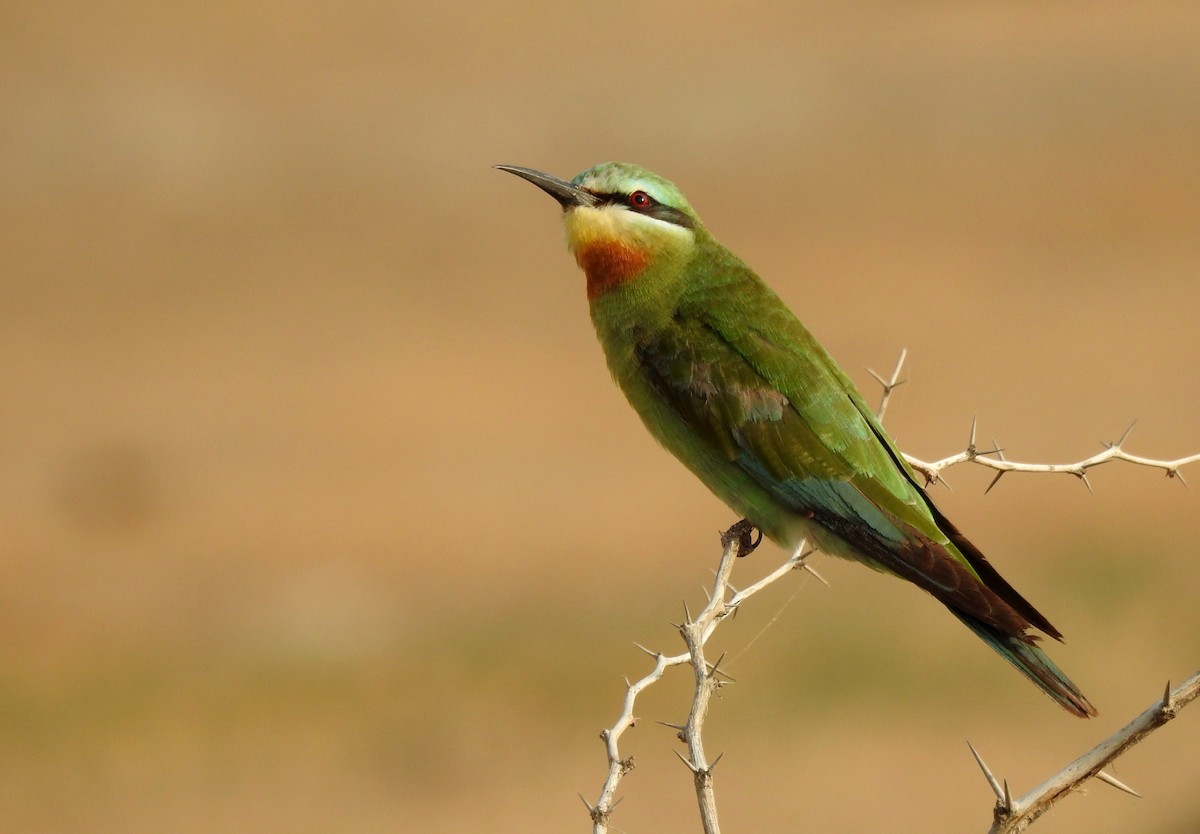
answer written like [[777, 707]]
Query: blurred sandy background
[[320, 514]]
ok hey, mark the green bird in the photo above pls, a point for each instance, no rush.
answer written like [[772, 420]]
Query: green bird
[[731, 383]]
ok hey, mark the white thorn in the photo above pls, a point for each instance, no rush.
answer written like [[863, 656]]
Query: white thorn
[[1112, 780], [996, 789]]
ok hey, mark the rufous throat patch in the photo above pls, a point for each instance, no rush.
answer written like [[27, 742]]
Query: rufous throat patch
[[608, 264]]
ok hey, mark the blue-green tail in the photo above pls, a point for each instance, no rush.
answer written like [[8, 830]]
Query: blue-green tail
[[1034, 664]]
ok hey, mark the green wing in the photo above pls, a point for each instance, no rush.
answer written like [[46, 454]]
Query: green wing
[[746, 376]]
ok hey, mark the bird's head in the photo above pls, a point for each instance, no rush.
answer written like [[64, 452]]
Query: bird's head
[[621, 220]]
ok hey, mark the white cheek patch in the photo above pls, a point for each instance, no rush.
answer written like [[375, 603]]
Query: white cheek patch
[[655, 226], [586, 224]]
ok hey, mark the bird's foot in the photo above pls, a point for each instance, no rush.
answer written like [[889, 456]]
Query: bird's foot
[[745, 534]]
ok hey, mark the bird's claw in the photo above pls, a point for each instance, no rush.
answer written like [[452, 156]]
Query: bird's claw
[[747, 536]]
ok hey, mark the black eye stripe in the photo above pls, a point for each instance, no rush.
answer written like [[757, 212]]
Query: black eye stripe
[[617, 198], [655, 209]]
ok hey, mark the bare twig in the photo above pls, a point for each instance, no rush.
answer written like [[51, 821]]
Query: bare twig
[[1015, 815], [696, 631], [889, 385], [994, 459], [932, 471]]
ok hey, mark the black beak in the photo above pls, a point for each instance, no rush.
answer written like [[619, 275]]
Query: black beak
[[568, 196]]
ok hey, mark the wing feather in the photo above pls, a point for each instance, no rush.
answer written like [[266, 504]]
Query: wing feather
[[766, 396]]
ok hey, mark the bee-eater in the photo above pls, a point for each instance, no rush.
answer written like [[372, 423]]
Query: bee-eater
[[731, 383]]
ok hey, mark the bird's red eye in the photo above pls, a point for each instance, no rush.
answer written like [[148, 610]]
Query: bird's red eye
[[640, 200]]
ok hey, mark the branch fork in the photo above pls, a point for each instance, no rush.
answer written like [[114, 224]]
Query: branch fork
[[723, 600]]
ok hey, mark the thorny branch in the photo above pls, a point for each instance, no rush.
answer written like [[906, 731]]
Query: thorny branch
[[1015, 815], [994, 457], [1011, 815], [696, 631]]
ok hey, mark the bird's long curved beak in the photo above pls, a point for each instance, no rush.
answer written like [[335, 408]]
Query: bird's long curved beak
[[568, 196]]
